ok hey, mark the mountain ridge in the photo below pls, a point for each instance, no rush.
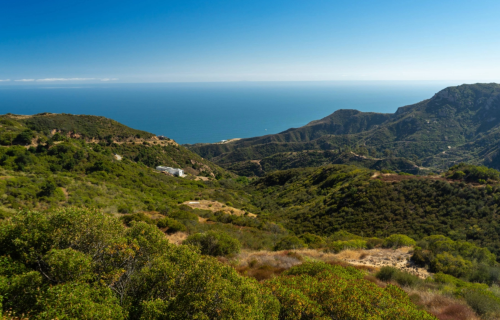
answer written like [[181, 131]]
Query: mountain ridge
[[436, 132]]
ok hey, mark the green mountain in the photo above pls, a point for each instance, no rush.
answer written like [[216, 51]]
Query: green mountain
[[458, 124]]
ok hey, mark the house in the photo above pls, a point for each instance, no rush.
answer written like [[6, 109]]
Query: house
[[174, 171]]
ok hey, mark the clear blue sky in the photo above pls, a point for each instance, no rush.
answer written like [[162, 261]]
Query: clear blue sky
[[252, 40]]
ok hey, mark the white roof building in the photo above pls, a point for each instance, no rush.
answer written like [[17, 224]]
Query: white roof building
[[175, 171]]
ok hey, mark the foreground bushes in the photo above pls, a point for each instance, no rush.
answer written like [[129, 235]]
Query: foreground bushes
[[322, 291], [83, 264]]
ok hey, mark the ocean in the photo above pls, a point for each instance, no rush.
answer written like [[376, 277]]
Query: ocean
[[210, 112]]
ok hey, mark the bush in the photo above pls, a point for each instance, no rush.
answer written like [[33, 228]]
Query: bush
[[386, 273], [337, 246], [140, 216], [83, 264], [312, 240], [483, 302], [290, 243], [214, 243], [402, 278], [372, 243], [397, 241], [24, 138], [322, 291], [172, 225]]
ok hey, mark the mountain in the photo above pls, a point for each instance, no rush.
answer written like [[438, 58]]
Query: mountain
[[458, 124]]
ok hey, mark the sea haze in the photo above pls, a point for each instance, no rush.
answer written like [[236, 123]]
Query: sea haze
[[210, 112]]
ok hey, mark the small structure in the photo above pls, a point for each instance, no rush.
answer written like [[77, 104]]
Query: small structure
[[162, 137], [223, 141], [174, 171]]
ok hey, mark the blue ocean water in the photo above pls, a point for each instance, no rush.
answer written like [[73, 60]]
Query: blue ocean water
[[210, 112]]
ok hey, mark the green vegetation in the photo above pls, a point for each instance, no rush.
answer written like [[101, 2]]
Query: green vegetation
[[110, 258], [332, 198], [322, 291], [457, 258], [79, 263], [397, 241], [214, 243]]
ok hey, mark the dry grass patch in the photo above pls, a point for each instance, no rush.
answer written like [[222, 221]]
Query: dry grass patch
[[443, 307], [176, 238]]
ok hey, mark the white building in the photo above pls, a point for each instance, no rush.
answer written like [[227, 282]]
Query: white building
[[174, 171]]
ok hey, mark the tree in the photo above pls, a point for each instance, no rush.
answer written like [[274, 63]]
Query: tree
[[24, 138]]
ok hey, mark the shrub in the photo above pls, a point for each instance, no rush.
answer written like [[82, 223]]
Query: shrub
[[24, 138], [372, 243], [322, 291], [337, 246], [397, 241], [312, 240], [447, 263], [172, 225], [386, 273], [483, 302], [290, 243], [79, 301], [402, 278], [140, 216], [214, 243], [344, 236]]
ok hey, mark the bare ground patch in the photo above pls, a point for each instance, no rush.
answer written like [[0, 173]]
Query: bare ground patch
[[215, 206]]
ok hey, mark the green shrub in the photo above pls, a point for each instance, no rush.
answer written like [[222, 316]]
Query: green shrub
[[405, 279], [397, 241], [322, 291], [79, 301], [386, 273], [289, 243], [214, 243], [449, 264], [372, 243], [172, 225], [312, 240], [337, 246], [140, 216], [483, 302], [344, 236]]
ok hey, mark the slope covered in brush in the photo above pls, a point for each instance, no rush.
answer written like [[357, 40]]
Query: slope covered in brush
[[43, 131], [336, 197]]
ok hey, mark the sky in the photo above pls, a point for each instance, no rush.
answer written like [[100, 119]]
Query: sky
[[110, 41]]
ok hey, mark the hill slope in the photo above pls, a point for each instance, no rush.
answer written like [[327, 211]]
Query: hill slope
[[47, 129], [458, 124]]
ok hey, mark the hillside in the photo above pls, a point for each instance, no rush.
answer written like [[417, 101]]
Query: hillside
[[86, 221], [102, 135], [333, 198], [458, 124]]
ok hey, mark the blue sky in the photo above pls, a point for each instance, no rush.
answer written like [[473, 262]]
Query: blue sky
[[198, 41]]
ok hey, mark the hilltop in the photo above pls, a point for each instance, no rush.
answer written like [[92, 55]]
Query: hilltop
[[458, 124], [99, 133]]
